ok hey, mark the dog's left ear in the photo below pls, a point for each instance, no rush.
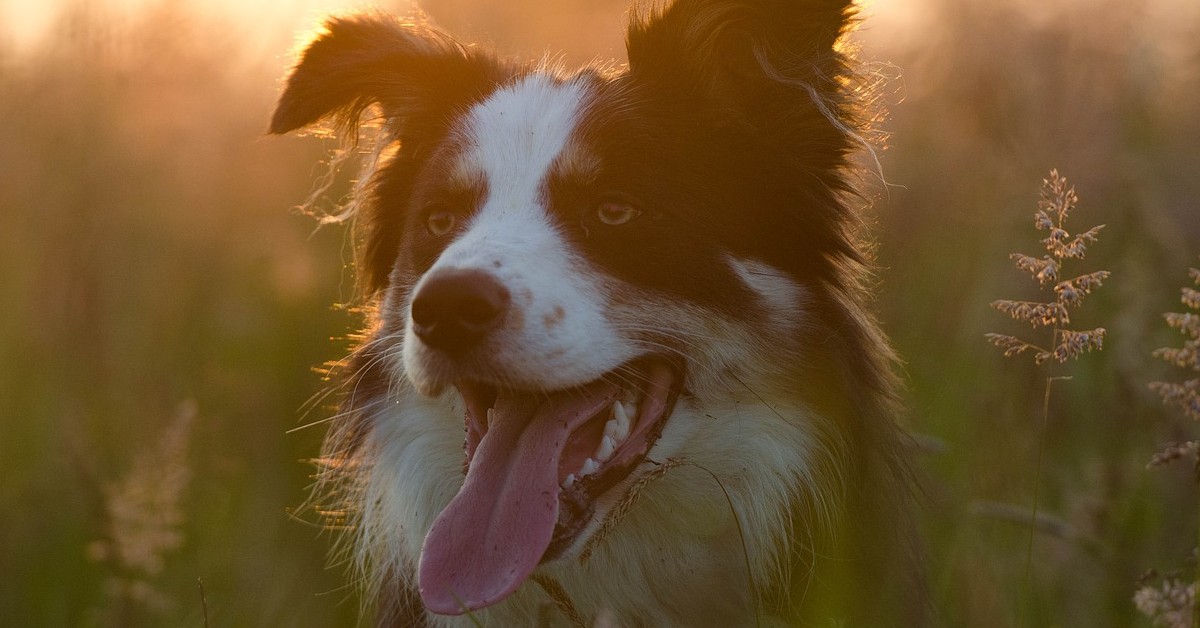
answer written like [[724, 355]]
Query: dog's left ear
[[734, 49]]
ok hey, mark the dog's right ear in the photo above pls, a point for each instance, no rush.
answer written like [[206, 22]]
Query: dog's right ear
[[419, 78], [415, 73]]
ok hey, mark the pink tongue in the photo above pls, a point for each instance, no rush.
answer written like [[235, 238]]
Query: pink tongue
[[494, 533]]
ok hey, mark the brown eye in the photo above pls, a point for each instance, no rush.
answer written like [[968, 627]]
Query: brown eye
[[613, 213], [440, 223]]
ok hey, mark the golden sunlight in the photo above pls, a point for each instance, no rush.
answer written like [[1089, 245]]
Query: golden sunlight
[[164, 298], [24, 23]]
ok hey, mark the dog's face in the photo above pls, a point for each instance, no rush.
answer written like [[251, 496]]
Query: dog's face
[[508, 228], [581, 263], [569, 293], [565, 388]]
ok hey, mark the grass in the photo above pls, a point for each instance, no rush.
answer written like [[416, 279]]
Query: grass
[[149, 258], [1057, 202], [1172, 602]]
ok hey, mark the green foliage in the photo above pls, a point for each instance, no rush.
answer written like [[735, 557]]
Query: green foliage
[[992, 94], [148, 258]]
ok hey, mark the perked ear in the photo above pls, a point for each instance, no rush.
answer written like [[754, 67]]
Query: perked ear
[[733, 48], [410, 70]]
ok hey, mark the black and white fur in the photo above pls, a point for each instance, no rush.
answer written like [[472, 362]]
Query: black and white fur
[[694, 209]]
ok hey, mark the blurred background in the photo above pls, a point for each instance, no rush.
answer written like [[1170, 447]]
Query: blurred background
[[167, 310]]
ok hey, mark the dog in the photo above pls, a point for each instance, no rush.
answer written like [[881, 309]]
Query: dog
[[619, 366]]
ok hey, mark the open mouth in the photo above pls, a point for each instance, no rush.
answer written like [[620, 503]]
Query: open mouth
[[537, 463]]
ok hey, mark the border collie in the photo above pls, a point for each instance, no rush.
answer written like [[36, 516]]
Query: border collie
[[619, 366]]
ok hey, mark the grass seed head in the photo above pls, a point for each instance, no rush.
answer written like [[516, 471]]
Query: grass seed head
[[1057, 201], [1184, 395], [1169, 605]]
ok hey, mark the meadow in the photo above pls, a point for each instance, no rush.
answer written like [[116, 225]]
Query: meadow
[[167, 310]]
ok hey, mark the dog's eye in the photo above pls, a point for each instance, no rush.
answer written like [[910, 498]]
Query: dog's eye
[[440, 223], [614, 213]]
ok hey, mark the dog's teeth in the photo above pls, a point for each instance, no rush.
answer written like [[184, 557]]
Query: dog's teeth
[[570, 481], [605, 451], [621, 418], [589, 467], [490, 412], [616, 431]]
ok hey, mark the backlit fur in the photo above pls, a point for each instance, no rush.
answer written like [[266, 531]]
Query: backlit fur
[[778, 492]]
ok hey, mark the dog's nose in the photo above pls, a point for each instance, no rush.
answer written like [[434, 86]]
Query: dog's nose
[[454, 309]]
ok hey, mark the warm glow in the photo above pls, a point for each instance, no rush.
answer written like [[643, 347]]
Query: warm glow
[[581, 32], [155, 274], [23, 23]]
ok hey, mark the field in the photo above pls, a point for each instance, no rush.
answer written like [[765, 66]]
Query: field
[[167, 310]]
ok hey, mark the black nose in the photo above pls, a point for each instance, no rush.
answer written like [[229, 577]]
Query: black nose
[[454, 309]]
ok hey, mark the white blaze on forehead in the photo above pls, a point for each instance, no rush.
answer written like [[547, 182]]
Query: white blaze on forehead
[[511, 141], [514, 136]]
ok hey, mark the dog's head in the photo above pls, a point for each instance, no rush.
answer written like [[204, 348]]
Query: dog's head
[[580, 255]]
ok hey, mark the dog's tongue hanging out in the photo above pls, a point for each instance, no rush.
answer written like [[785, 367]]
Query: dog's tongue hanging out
[[494, 533]]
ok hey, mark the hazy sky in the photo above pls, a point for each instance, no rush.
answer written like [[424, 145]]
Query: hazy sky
[[24, 21], [581, 30], [580, 26]]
